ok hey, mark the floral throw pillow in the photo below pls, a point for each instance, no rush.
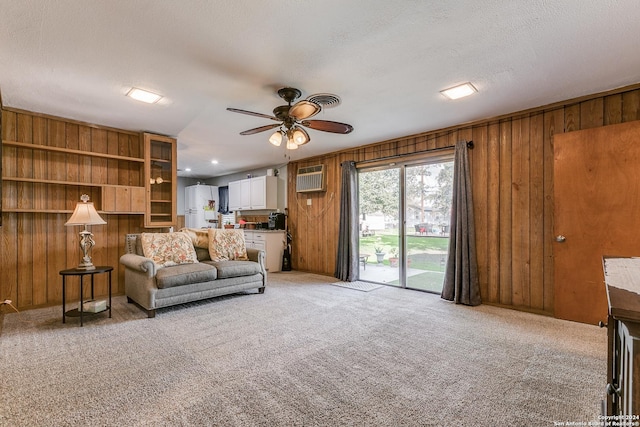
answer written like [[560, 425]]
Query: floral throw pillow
[[167, 249], [227, 244], [199, 236]]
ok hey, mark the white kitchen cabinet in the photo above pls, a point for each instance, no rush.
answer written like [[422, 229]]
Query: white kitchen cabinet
[[245, 194], [271, 242], [235, 202], [257, 193]]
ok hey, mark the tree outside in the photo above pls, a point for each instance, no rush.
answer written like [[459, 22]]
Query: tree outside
[[428, 189]]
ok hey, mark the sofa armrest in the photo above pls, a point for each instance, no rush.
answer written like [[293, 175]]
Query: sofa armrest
[[256, 255], [259, 256], [139, 263]]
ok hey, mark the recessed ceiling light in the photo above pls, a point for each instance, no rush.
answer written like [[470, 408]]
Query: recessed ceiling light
[[187, 170], [143, 95], [214, 162], [459, 91]]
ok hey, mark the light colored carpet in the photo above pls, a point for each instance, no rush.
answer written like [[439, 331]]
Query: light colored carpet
[[304, 353], [358, 285]]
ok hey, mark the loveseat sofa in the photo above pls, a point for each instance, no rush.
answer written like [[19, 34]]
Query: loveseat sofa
[[178, 267]]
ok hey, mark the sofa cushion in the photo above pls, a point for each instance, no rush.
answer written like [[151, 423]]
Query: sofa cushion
[[185, 274], [203, 254], [167, 249], [227, 245], [228, 269], [199, 236]]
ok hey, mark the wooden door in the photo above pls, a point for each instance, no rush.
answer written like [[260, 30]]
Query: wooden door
[[596, 210]]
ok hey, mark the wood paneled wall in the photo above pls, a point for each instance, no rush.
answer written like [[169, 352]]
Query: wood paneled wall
[[35, 246], [512, 167]]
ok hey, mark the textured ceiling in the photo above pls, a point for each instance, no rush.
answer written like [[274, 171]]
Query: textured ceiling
[[387, 60]]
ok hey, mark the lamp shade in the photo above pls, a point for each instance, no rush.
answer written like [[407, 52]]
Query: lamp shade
[[85, 214], [300, 136], [276, 138]]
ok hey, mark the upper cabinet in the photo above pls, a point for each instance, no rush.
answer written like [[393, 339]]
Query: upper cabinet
[[160, 181], [235, 192], [257, 193]]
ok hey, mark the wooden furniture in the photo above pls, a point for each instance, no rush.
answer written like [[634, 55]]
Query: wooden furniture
[[622, 278], [90, 171], [161, 178], [115, 182], [79, 312], [255, 193], [271, 242]]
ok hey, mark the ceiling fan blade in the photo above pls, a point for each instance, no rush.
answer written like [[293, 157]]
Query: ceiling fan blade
[[328, 126], [304, 109], [260, 129], [251, 113]]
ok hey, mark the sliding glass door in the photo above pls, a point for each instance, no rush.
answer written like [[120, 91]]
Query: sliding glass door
[[427, 214], [379, 209], [404, 222]]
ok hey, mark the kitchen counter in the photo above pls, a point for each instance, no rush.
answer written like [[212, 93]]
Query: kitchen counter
[[272, 242]]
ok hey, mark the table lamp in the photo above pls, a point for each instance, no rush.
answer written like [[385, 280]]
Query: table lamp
[[85, 214]]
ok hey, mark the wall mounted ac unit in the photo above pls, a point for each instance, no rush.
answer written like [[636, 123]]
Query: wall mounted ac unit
[[310, 178]]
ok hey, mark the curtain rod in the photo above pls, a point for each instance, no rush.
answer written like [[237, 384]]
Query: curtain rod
[[470, 145]]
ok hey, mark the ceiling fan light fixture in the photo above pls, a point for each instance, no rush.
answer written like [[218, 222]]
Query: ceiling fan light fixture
[[276, 138], [304, 109], [459, 91], [292, 118], [300, 136]]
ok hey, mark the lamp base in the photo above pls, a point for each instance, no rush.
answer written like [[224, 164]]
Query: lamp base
[[86, 243], [86, 266]]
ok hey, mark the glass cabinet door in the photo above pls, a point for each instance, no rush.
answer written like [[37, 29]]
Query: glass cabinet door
[[161, 181]]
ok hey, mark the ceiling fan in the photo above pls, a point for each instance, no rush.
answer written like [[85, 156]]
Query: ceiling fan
[[293, 118]]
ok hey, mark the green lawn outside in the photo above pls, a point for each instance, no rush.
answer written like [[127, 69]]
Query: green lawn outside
[[427, 281], [415, 245], [427, 253]]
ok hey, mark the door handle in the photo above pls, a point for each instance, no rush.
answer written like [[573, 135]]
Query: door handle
[[560, 238]]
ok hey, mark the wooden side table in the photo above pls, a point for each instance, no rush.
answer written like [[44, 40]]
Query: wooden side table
[[82, 273]]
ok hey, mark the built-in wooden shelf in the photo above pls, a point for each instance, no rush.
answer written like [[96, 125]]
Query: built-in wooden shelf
[[51, 181], [71, 151], [47, 211], [157, 159], [66, 211]]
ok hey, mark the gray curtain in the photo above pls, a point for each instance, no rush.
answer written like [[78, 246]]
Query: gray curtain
[[461, 274], [347, 258]]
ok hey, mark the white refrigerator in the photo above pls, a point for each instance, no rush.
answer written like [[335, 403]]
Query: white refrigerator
[[201, 206]]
